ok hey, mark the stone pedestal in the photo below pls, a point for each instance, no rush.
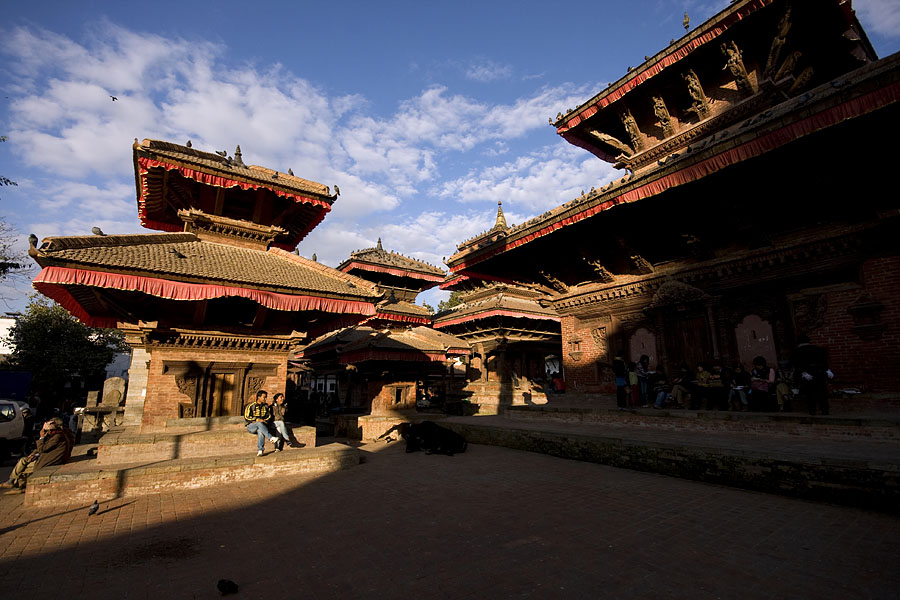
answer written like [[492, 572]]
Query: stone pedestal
[[137, 387]]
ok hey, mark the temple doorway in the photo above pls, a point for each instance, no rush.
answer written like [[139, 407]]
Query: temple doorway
[[687, 342]]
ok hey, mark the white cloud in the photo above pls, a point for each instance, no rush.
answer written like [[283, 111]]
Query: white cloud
[[533, 183], [488, 70], [881, 16], [389, 167]]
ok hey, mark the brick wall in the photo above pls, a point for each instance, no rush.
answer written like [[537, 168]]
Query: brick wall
[[870, 362], [163, 396], [585, 357]]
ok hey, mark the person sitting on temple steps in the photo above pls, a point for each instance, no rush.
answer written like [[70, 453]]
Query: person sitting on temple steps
[[53, 448], [257, 414], [278, 411]]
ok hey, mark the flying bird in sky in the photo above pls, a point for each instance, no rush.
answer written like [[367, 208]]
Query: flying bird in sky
[[113, 98]]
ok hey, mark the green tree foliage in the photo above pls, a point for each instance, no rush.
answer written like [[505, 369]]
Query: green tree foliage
[[450, 302], [57, 348], [429, 307]]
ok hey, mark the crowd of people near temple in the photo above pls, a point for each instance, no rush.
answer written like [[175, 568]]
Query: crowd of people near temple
[[762, 387]]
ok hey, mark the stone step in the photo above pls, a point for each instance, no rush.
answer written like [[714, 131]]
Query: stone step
[[83, 481], [838, 427], [860, 473], [128, 445]]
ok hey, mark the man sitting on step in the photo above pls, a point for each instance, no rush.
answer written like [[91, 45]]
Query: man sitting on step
[[257, 414], [54, 447]]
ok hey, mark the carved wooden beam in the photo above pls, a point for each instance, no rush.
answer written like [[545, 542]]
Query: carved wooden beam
[[778, 41], [735, 65], [662, 113], [604, 274], [631, 127], [605, 138], [642, 264]]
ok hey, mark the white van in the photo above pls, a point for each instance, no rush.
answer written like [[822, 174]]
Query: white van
[[12, 428]]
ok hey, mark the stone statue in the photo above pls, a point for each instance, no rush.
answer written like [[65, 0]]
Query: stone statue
[[699, 102], [735, 65], [631, 128], [662, 113]]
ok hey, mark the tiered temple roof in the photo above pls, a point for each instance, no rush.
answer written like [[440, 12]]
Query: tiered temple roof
[[393, 269], [225, 272], [495, 311], [363, 344], [770, 74], [179, 266], [399, 278], [171, 178]]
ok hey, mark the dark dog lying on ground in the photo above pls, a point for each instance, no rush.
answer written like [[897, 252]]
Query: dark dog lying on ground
[[430, 437]]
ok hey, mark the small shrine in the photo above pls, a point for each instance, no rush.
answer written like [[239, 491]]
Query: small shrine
[[515, 341], [381, 370]]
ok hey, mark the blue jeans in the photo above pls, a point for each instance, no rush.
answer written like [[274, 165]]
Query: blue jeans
[[262, 432], [281, 428]]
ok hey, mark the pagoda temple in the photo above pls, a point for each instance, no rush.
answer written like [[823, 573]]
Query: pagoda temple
[[515, 341], [216, 305], [383, 367], [735, 227], [398, 278]]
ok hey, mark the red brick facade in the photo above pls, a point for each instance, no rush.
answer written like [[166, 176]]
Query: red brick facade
[[164, 397]]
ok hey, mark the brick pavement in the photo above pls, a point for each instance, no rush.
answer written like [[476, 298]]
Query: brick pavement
[[491, 523]]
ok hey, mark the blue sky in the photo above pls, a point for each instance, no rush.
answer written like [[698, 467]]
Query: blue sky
[[425, 114]]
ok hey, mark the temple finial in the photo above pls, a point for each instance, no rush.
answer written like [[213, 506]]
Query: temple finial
[[237, 156], [501, 220], [378, 245]]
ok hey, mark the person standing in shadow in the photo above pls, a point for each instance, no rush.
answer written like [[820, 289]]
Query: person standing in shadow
[[811, 374]]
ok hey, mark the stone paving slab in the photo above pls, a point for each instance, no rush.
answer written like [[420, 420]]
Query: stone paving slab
[[492, 523]]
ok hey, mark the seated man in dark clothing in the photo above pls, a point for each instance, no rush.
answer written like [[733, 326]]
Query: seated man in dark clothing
[[257, 415], [53, 448]]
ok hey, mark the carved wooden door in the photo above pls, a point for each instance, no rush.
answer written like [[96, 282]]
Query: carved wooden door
[[221, 401], [687, 341]]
